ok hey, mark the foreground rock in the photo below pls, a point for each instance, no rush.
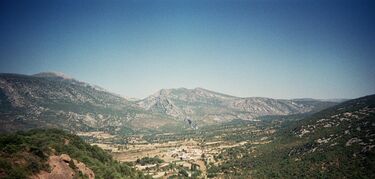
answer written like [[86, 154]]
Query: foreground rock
[[63, 167]]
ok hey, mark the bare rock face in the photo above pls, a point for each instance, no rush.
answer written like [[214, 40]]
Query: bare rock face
[[61, 168], [66, 158]]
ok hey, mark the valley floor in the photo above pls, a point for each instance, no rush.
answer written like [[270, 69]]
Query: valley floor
[[188, 154]]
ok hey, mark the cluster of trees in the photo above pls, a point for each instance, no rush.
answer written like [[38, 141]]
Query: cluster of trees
[[185, 172], [149, 161]]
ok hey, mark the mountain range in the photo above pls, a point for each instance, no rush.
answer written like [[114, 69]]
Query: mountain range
[[56, 100], [208, 106], [330, 139]]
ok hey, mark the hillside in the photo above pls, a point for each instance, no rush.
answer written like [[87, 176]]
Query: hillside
[[55, 100], [56, 154], [338, 142], [204, 105]]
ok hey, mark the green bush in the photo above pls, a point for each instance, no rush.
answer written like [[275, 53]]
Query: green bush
[[149, 160], [184, 173]]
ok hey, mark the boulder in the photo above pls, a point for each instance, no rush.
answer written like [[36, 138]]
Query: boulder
[[66, 158]]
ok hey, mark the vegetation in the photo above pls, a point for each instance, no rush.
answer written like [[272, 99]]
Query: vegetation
[[25, 153], [149, 161], [323, 152], [296, 146], [338, 142]]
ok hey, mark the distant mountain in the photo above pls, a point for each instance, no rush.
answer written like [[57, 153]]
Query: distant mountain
[[52, 99], [55, 75], [204, 105], [337, 100]]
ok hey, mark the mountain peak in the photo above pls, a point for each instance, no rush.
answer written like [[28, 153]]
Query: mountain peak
[[58, 75], [199, 88]]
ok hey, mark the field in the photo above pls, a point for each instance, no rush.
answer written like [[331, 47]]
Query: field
[[273, 147], [189, 153]]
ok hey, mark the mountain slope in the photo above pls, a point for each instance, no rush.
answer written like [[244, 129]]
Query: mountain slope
[[51, 100], [347, 125], [204, 105], [338, 142]]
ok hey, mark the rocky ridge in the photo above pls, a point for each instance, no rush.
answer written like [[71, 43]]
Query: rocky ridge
[[56, 100], [204, 105]]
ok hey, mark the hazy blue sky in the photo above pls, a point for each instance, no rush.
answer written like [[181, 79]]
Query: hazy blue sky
[[280, 49]]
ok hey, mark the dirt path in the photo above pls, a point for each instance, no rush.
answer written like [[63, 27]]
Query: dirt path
[[202, 167]]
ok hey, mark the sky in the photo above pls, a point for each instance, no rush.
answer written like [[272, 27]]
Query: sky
[[268, 48]]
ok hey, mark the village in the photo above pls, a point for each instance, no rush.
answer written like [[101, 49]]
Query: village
[[188, 156]]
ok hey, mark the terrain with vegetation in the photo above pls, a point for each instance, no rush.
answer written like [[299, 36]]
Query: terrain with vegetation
[[56, 100], [335, 143], [54, 153], [205, 106], [178, 133]]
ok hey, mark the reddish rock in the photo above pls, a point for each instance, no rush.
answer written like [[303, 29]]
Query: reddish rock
[[66, 158], [60, 169]]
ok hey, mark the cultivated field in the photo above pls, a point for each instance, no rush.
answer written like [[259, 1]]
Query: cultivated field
[[189, 153]]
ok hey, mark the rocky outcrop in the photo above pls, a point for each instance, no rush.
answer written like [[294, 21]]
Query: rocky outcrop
[[63, 167], [202, 104]]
